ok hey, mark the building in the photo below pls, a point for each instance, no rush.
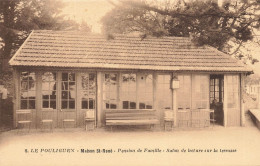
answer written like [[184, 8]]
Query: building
[[253, 89], [72, 72]]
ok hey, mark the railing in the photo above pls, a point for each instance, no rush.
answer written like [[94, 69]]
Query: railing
[[195, 117]]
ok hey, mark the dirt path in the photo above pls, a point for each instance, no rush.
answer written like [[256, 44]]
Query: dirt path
[[217, 146]]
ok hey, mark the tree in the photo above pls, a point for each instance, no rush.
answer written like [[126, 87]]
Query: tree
[[19, 17], [222, 27]]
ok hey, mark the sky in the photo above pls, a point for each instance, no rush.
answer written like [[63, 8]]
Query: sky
[[91, 11]]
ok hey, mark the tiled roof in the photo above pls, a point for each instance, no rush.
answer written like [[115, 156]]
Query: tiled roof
[[84, 50]]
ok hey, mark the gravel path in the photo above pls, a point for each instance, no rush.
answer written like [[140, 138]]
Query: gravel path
[[212, 146]]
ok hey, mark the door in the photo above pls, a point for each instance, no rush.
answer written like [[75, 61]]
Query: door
[[67, 100], [49, 100], [87, 93], [232, 98], [216, 97], [164, 94]]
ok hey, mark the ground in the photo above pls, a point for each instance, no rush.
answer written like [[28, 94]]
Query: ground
[[232, 146]]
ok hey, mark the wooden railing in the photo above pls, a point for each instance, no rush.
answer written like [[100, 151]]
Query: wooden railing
[[195, 117]]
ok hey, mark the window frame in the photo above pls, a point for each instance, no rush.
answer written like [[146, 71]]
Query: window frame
[[56, 90], [119, 101], [81, 90], [68, 91], [27, 90]]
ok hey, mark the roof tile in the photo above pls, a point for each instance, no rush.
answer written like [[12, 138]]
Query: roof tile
[[84, 50]]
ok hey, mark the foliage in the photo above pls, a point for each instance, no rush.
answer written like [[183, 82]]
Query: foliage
[[206, 22], [19, 17]]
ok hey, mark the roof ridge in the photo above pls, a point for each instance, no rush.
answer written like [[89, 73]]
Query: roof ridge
[[114, 34]]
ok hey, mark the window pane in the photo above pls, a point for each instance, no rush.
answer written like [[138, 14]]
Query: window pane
[[125, 104], [71, 77], [53, 96], [53, 104], [110, 91], [24, 104], [72, 92], [84, 104], [91, 103], [24, 85], [200, 97], [31, 104], [24, 95], [233, 91], [28, 90], [49, 90], [85, 82], [71, 104], [164, 92], [128, 93], [45, 104], [64, 104], [64, 95], [88, 90], [45, 96], [145, 91], [65, 86], [68, 92], [65, 77], [45, 86], [184, 92]]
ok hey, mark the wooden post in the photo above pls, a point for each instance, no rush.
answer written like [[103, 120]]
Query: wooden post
[[225, 100], [16, 95], [174, 104], [119, 103], [59, 114], [38, 104], [79, 113], [155, 104], [99, 99], [242, 107], [137, 84]]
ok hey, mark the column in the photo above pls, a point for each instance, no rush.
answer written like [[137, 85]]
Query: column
[[225, 101], [99, 111]]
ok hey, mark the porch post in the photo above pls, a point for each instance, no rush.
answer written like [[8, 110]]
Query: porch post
[[16, 95], [38, 103], [174, 103], [155, 104], [99, 99], [242, 106], [225, 101]]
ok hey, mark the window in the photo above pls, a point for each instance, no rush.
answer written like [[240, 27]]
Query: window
[[184, 92], [68, 91], [128, 91], [216, 88], [110, 91], [200, 96], [145, 91], [49, 90], [88, 91], [164, 92], [28, 90], [233, 91]]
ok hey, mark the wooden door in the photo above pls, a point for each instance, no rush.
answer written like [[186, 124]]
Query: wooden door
[[86, 96], [48, 95], [232, 98], [164, 95], [67, 99]]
